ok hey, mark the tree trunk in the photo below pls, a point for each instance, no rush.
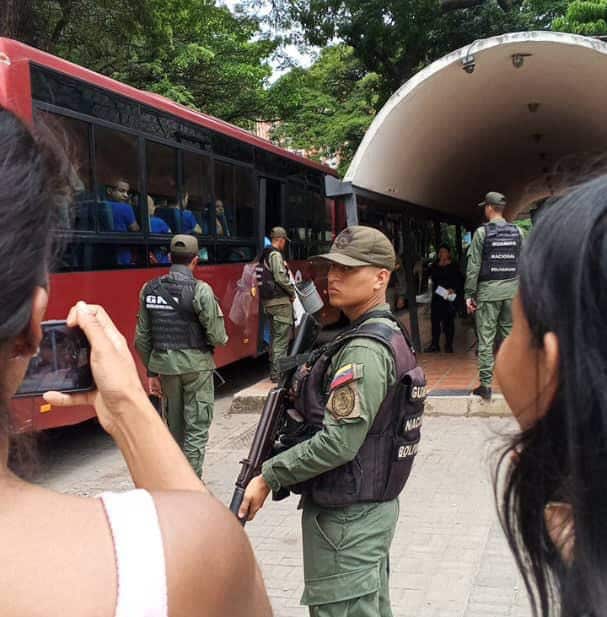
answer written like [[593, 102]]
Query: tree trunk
[[16, 19]]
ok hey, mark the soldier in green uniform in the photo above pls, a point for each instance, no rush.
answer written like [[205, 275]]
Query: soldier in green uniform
[[491, 283], [178, 326], [277, 295], [352, 469]]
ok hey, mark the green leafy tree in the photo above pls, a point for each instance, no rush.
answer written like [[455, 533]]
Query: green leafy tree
[[583, 17], [396, 38], [326, 109], [192, 51]]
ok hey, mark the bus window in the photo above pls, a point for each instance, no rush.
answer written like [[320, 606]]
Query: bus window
[[224, 199], [164, 214], [235, 201], [308, 222], [197, 190], [245, 201], [76, 135], [116, 172], [84, 255], [227, 253], [321, 233]]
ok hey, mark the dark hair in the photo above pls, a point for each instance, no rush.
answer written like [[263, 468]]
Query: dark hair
[[445, 246], [563, 457], [34, 187], [182, 260]]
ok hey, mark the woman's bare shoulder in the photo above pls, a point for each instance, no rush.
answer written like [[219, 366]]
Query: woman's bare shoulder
[[53, 544], [210, 565]]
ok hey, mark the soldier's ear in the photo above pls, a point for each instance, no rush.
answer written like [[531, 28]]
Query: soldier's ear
[[383, 277]]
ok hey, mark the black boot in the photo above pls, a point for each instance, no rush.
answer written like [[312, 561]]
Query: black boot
[[449, 348], [432, 348], [483, 391]]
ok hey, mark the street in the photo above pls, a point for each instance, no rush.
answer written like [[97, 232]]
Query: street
[[449, 557]]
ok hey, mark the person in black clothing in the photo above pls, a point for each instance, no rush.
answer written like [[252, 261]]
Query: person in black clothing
[[446, 275]]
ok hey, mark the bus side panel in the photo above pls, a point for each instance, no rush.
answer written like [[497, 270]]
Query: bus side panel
[[15, 86], [118, 292]]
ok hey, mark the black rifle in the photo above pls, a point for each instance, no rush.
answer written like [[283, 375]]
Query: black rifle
[[272, 416]]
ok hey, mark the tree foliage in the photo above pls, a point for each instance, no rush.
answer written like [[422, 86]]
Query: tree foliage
[[583, 17], [396, 38], [326, 109], [192, 51]]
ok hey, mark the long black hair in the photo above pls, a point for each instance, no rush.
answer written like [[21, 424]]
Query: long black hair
[[34, 187], [563, 457]]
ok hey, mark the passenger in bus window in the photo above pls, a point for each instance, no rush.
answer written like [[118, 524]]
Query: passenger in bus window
[[123, 217], [188, 220], [123, 214], [221, 222], [157, 225], [139, 552]]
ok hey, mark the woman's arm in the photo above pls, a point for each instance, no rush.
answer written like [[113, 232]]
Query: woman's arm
[[211, 570], [123, 408]]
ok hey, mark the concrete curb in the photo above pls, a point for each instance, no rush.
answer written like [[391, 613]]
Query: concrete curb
[[251, 400]]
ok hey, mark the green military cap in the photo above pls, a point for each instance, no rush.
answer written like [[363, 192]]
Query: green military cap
[[182, 244], [493, 198], [358, 245], [279, 232]]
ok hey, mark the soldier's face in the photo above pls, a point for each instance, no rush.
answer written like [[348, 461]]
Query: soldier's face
[[351, 287], [527, 372]]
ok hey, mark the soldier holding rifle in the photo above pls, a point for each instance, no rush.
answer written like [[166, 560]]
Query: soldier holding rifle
[[362, 397]]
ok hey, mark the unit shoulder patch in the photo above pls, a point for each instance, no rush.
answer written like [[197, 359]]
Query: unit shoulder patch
[[346, 374], [343, 402]]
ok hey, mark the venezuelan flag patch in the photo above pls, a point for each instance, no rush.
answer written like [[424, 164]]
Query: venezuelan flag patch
[[346, 374]]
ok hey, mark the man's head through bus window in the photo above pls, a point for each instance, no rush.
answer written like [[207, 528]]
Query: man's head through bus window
[[119, 191]]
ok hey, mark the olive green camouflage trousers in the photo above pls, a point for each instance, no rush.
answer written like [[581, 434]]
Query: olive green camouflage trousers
[[346, 559], [492, 318], [281, 322], [189, 412]]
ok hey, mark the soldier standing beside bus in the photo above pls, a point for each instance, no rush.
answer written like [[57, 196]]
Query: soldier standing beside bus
[[364, 394], [277, 295], [178, 326], [491, 283]]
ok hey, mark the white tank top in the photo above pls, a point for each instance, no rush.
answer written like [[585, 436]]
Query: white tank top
[[141, 572]]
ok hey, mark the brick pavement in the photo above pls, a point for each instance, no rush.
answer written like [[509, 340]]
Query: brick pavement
[[449, 557]]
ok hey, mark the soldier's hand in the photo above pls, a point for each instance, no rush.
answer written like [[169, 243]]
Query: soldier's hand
[[470, 306], [254, 498], [154, 386]]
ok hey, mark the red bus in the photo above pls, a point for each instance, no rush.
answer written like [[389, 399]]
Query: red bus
[[146, 168]]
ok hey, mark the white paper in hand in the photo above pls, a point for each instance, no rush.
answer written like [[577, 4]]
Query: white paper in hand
[[441, 291]]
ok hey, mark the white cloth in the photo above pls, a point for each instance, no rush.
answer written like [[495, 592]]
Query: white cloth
[[141, 572], [298, 309]]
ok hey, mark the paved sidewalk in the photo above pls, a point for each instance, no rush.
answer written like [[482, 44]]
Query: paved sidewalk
[[449, 557]]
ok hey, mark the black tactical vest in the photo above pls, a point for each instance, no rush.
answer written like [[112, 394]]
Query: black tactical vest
[[501, 251], [382, 466], [268, 289], [175, 325]]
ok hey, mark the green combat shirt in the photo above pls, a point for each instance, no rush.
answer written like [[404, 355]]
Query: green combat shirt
[[342, 435], [485, 290], [281, 278], [180, 361]]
